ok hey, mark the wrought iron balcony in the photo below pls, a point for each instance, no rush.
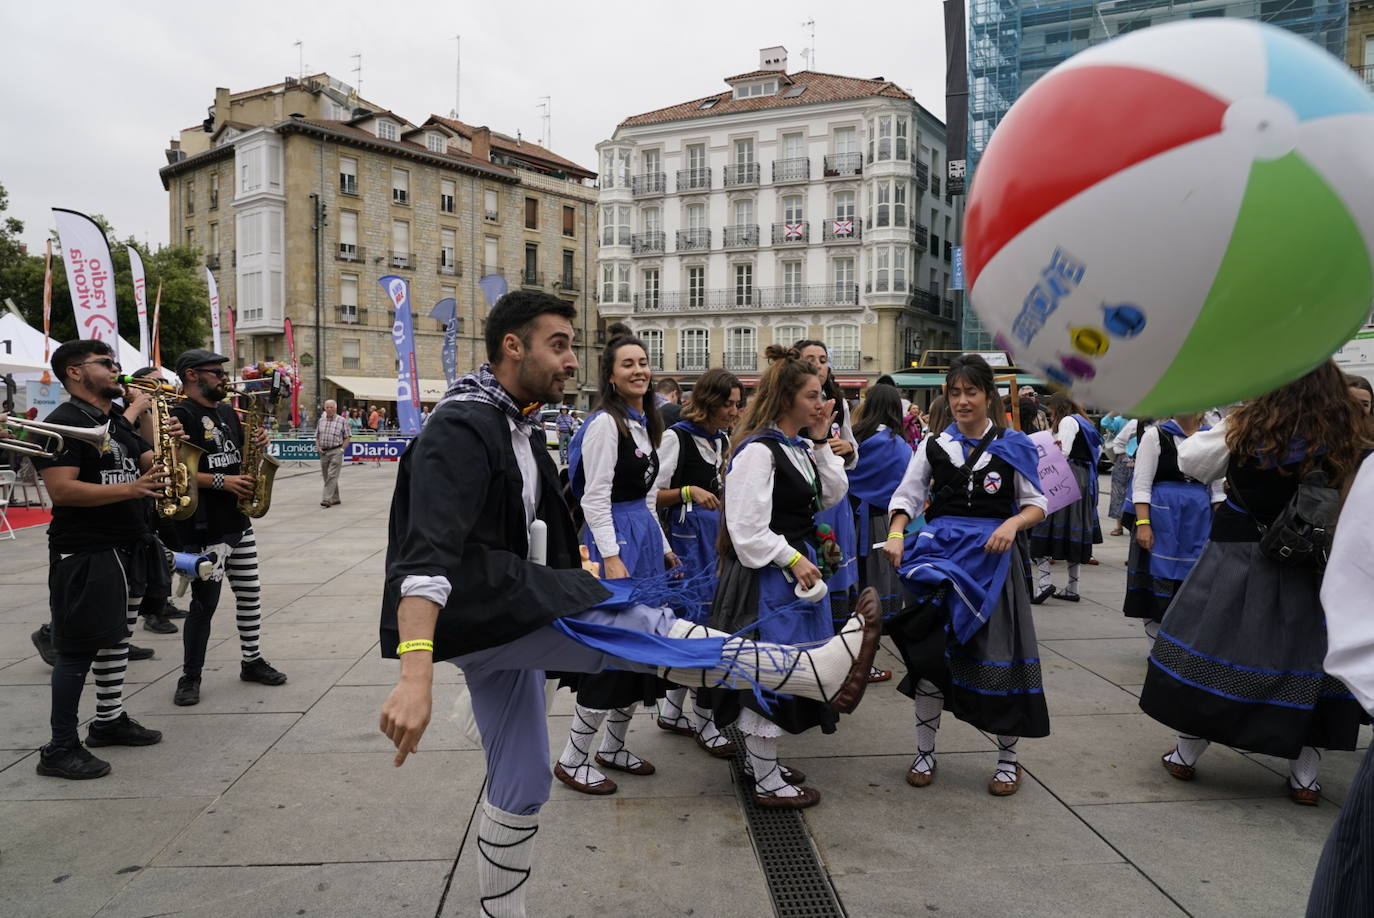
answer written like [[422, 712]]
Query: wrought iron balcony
[[729, 299], [530, 278], [693, 360], [349, 313], [793, 169], [935, 185], [842, 229], [449, 265], [649, 183], [924, 299], [798, 233], [839, 165], [403, 260], [693, 179], [741, 174], [741, 235], [647, 243], [568, 284], [348, 184], [922, 176], [348, 251], [693, 240], [844, 358], [922, 234], [212, 262], [742, 360]]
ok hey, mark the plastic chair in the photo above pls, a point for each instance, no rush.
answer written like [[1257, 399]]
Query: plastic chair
[[7, 480]]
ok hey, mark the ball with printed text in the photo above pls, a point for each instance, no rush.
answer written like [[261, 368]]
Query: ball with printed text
[[1179, 218]]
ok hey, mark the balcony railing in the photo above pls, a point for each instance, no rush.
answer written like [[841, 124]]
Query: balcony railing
[[693, 179], [568, 283], [490, 269], [741, 235], [793, 169], [886, 283], [924, 299], [844, 358], [449, 265], [649, 183], [798, 233], [348, 184], [693, 240], [530, 278], [1366, 73], [349, 314], [348, 251], [949, 250], [403, 260], [935, 185], [922, 177], [842, 229], [741, 174], [490, 215], [693, 360], [730, 299], [747, 361], [647, 243], [921, 233], [212, 262], [843, 164]]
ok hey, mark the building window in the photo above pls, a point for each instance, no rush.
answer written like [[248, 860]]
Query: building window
[[250, 297], [400, 186], [447, 192], [788, 335], [531, 263], [400, 244], [842, 269], [792, 283], [696, 156], [214, 190], [900, 152], [794, 209], [652, 218], [694, 349], [653, 347], [351, 351], [844, 205], [744, 285], [608, 283], [435, 142], [569, 221], [348, 235], [569, 262], [696, 287], [348, 298], [843, 344], [491, 264], [750, 90], [884, 269], [884, 137], [448, 248], [190, 237], [622, 283], [386, 130], [744, 151], [741, 348], [884, 203], [213, 248], [489, 206], [899, 268], [531, 213], [348, 175], [608, 225], [651, 289]]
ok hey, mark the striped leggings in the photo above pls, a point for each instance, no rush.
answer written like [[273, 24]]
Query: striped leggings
[[108, 665], [241, 570]]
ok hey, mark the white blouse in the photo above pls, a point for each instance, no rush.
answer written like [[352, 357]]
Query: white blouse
[[670, 449], [600, 446], [749, 499], [910, 496], [1204, 455], [1147, 463], [1067, 432], [1346, 588]]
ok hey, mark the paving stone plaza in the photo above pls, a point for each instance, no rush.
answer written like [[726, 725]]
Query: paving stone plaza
[[283, 801]]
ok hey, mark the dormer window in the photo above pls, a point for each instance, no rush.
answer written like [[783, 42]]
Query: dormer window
[[749, 90], [435, 142], [386, 130]]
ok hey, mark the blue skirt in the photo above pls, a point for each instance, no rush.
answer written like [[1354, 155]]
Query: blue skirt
[[639, 536], [1181, 519], [840, 519], [692, 531]]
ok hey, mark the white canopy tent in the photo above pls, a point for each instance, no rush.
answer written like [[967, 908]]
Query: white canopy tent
[[21, 353]]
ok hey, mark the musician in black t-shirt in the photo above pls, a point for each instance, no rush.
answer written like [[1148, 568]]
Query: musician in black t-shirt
[[217, 526], [100, 554]]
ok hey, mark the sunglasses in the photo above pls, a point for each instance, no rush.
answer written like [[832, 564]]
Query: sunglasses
[[105, 362], [213, 371]]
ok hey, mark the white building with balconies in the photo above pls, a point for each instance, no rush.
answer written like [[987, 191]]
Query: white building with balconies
[[789, 206]]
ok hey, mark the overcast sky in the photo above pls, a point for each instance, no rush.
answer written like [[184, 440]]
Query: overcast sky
[[94, 90]]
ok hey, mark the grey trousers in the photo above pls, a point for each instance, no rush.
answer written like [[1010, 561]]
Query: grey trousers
[[331, 462]]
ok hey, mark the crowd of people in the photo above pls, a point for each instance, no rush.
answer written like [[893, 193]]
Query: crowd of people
[[731, 558]]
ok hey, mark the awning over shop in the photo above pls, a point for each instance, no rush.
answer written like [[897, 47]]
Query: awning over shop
[[919, 380], [383, 388]]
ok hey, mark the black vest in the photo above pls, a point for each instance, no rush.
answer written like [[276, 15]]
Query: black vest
[[1265, 492], [1080, 451], [795, 500], [635, 470], [990, 493], [692, 467], [1167, 469]]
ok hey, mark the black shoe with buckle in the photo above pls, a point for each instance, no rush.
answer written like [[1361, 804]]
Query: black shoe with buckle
[[75, 763], [158, 623], [188, 691], [260, 670], [122, 731], [42, 641]]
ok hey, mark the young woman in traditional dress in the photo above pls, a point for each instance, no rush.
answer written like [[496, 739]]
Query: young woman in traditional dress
[[1069, 533]]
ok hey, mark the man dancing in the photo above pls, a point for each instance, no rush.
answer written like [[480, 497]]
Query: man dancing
[[464, 584], [217, 526]]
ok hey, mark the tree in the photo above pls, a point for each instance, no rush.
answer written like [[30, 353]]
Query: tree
[[185, 319]]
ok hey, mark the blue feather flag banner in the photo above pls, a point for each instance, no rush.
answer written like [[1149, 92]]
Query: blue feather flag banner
[[446, 311], [493, 287]]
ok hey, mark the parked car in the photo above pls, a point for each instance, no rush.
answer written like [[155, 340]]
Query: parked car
[[549, 418]]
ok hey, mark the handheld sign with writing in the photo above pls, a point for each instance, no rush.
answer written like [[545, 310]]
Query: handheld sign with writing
[[1056, 477]]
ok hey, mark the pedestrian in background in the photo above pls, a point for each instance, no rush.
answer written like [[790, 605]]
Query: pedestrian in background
[[331, 439], [566, 424]]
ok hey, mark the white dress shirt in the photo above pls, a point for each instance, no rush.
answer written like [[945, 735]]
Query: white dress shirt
[[1346, 591], [911, 495], [1147, 464], [749, 499], [600, 447], [1123, 439]]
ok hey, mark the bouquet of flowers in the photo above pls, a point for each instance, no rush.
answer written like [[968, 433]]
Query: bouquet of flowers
[[257, 377]]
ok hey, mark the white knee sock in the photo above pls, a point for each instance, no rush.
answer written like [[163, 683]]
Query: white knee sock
[[613, 742], [1072, 588], [1302, 771], [671, 708], [505, 843], [1006, 759], [1042, 580], [763, 762], [929, 703], [1190, 749], [577, 754], [704, 723]]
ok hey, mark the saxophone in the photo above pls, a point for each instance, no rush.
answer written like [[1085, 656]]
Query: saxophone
[[257, 463], [181, 460]]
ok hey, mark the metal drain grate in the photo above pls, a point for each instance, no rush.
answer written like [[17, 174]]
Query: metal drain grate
[[797, 882]]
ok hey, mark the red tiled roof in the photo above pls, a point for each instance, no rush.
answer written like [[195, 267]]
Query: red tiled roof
[[820, 87], [759, 73], [459, 157], [520, 148]]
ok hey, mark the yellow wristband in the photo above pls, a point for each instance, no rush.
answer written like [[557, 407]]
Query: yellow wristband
[[407, 646], [1145, 522], [686, 494], [796, 556], [897, 535]]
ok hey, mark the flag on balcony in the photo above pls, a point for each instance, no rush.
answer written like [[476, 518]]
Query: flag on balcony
[[844, 228], [446, 311], [90, 275], [793, 230], [140, 302], [214, 311], [403, 336]]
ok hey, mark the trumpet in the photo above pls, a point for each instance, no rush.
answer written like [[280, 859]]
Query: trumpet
[[44, 441]]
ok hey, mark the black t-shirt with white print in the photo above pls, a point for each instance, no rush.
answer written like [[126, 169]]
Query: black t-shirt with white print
[[116, 525], [218, 432]]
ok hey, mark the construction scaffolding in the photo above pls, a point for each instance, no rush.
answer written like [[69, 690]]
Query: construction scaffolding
[[1012, 43]]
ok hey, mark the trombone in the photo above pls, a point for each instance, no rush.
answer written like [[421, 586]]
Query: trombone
[[44, 441]]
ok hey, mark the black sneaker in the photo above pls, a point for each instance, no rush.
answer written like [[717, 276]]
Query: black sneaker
[[140, 653], [42, 639], [188, 691], [171, 611], [260, 670], [74, 763], [123, 731], [157, 623]]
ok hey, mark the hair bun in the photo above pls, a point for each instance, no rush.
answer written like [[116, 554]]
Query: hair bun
[[617, 330], [776, 352]]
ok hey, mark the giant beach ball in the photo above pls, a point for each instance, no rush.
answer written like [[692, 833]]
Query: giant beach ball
[[1179, 218]]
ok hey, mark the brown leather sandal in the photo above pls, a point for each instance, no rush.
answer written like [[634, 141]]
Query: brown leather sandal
[[809, 796], [1005, 788], [1176, 769], [643, 767], [599, 789]]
